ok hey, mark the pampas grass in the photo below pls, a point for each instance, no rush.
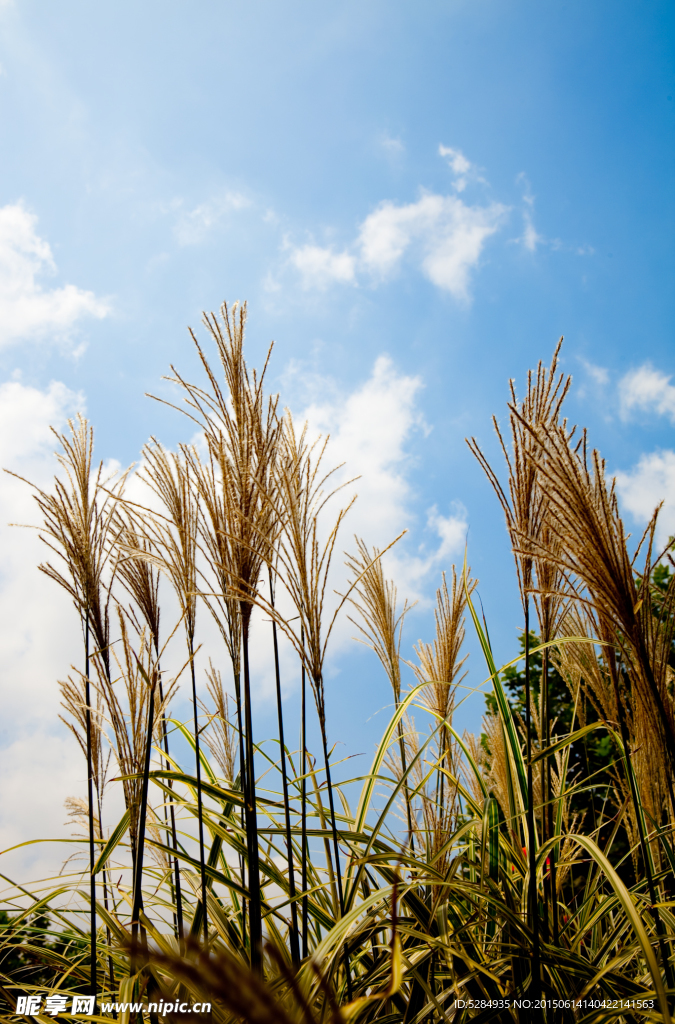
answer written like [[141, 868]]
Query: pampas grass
[[451, 880]]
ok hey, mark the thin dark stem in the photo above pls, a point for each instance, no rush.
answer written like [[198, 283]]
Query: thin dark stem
[[90, 797], [242, 776], [178, 912], [545, 789], [255, 912], [111, 966], [336, 849], [200, 811], [104, 875], [142, 816], [548, 790], [440, 776], [295, 946], [401, 743], [303, 811], [531, 834]]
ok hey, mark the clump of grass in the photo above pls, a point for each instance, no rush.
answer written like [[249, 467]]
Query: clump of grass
[[498, 890]]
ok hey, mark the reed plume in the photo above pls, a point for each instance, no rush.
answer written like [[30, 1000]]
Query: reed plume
[[593, 547], [526, 509], [304, 561], [304, 564], [135, 718], [241, 431], [78, 527], [440, 667], [74, 703], [382, 629], [221, 740], [140, 578], [172, 548]]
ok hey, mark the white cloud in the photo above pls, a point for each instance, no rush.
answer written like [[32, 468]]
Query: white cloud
[[441, 234], [451, 530], [371, 431], [192, 226], [647, 390], [650, 482], [320, 267], [447, 234], [27, 310], [444, 236]]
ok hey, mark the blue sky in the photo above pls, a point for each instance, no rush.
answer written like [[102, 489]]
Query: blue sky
[[416, 201]]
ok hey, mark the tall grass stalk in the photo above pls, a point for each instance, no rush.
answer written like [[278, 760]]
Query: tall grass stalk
[[140, 579], [90, 809], [526, 508], [174, 536], [242, 432], [303, 800], [78, 527], [142, 815], [293, 938]]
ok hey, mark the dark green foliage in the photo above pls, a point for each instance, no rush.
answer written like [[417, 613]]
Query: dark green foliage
[[592, 759], [17, 961]]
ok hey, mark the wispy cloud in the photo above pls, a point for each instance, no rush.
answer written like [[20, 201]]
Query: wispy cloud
[[530, 237], [193, 226], [598, 374], [27, 309], [458, 164], [595, 381], [442, 235], [647, 390], [391, 145]]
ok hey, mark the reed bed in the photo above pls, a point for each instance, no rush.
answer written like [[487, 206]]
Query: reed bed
[[462, 877]]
